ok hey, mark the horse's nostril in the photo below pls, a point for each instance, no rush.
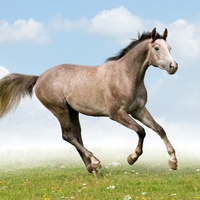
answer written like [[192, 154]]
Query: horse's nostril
[[173, 65]]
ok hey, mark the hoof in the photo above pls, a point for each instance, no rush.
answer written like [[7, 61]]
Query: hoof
[[92, 168], [95, 165], [131, 160], [172, 164]]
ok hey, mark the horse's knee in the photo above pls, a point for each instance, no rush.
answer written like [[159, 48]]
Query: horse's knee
[[160, 131]]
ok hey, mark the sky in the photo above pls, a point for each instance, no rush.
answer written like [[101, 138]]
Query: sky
[[37, 35]]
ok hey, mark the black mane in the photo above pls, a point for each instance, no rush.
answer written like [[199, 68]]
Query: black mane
[[141, 38]]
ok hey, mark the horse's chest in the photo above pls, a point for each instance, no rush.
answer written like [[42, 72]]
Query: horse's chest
[[138, 100]]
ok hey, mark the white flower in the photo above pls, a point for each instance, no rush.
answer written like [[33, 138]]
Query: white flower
[[174, 194], [111, 187], [127, 197], [143, 193]]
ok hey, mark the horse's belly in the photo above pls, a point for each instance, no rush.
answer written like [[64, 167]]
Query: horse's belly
[[88, 106]]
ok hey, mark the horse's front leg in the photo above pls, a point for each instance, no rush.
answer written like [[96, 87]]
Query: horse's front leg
[[148, 120], [123, 118]]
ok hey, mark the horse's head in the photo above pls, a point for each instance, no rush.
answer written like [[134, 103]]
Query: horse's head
[[159, 55]]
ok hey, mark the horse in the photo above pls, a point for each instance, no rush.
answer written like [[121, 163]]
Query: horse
[[114, 89]]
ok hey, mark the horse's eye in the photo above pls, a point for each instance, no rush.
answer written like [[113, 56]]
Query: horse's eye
[[156, 48]]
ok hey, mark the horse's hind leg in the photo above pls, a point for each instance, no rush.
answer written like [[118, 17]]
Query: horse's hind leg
[[90, 165], [71, 132]]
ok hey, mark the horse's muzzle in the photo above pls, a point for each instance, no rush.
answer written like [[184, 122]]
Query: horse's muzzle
[[173, 68]]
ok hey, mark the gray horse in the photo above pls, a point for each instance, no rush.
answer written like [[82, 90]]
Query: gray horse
[[114, 89]]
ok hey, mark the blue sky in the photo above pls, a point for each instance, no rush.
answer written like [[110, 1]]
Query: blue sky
[[36, 35], [69, 45]]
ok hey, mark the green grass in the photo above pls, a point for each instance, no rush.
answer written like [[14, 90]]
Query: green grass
[[121, 182], [54, 179]]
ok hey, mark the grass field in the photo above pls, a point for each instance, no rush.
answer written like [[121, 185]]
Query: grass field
[[58, 177]]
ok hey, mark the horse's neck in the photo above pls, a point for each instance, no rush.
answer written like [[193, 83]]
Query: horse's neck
[[135, 62]]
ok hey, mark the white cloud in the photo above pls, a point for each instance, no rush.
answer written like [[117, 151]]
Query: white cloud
[[120, 25], [3, 71], [23, 30], [185, 37], [117, 23]]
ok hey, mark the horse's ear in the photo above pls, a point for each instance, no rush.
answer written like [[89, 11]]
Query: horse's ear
[[165, 34], [153, 34]]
